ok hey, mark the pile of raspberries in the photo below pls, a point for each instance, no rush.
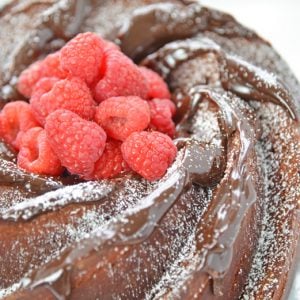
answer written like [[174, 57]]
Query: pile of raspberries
[[92, 112]]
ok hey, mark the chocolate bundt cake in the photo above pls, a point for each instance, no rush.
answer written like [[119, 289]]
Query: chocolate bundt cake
[[223, 223]]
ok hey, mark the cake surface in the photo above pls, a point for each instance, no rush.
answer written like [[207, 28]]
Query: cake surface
[[224, 221]]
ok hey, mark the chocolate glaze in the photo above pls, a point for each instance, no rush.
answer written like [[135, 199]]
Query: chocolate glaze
[[169, 22], [12, 175], [241, 78], [225, 167], [234, 196], [37, 205]]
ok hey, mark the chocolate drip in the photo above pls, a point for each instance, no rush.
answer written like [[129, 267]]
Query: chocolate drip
[[252, 83], [243, 79], [234, 196], [11, 175], [172, 55], [31, 184], [152, 26], [52, 201]]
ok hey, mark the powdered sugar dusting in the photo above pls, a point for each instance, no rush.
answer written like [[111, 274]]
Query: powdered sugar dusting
[[281, 188], [89, 191], [91, 221], [205, 124], [180, 269], [50, 240], [268, 77], [10, 197], [7, 291]]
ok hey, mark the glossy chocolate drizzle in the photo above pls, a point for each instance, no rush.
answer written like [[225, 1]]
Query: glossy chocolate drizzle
[[12, 175], [237, 76], [226, 164], [169, 22]]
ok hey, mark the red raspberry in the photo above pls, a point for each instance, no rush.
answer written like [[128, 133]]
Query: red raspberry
[[161, 111], [121, 77], [77, 143], [49, 67], [71, 94], [157, 88], [149, 153], [111, 163], [15, 119], [121, 116], [29, 77], [36, 154], [83, 56], [42, 87], [53, 67]]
